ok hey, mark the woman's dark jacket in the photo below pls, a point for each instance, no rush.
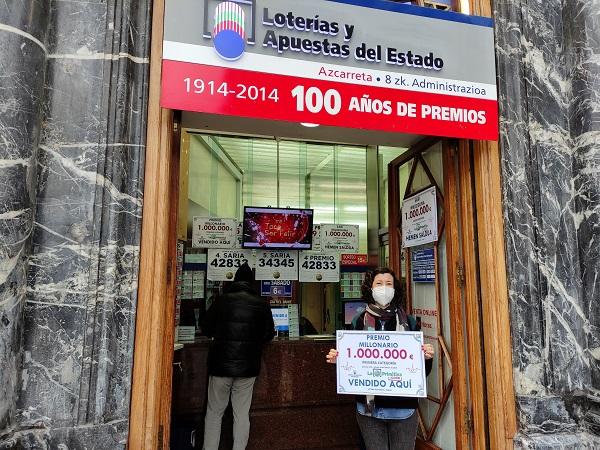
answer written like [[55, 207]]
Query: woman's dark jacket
[[240, 322], [384, 401]]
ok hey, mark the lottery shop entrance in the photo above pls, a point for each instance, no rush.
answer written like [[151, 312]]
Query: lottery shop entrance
[[360, 182]]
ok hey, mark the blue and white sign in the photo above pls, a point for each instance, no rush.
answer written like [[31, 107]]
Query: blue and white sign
[[381, 363], [423, 265], [276, 288], [281, 318]]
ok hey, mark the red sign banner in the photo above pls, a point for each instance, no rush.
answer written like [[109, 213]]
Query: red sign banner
[[354, 259], [227, 91]]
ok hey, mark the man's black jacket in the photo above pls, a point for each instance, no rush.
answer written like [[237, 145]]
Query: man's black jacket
[[240, 322]]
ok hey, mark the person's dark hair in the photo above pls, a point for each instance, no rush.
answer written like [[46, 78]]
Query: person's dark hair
[[398, 300], [244, 273]]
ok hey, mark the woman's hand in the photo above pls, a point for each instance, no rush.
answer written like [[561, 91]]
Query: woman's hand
[[332, 356], [428, 350]]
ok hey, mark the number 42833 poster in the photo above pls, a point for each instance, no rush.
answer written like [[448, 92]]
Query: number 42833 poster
[[381, 363]]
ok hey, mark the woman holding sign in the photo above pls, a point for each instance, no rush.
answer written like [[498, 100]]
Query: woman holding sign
[[386, 423]]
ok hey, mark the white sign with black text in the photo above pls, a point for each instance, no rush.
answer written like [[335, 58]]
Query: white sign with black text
[[339, 238], [381, 363], [419, 218], [214, 232], [277, 265], [222, 264], [319, 267]]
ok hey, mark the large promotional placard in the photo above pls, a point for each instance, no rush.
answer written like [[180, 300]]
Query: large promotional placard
[[214, 232], [366, 64], [381, 363], [277, 265], [222, 264], [419, 218], [319, 267], [339, 238]]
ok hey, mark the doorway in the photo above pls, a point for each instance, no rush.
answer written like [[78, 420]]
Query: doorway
[[462, 385], [440, 293], [221, 173]]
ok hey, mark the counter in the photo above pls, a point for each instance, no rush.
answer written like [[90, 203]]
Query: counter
[[294, 406]]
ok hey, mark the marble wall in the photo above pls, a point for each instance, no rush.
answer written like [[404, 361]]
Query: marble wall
[[548, 55], [23, 29], [75, 171]]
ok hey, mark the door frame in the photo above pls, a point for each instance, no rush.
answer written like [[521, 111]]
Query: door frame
[[458, 222], [150, 409]]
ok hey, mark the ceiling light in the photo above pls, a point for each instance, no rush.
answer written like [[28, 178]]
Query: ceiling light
[[309, 125]]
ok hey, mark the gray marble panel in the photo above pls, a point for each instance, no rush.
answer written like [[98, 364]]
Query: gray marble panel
[[564, 441], [110, 436], [110, 28], [52, 362], [87, 180], [520, 189], [548, 87], [28, 16], [23, 27]]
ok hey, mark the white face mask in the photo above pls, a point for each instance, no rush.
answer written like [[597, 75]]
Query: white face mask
[[383, 295]]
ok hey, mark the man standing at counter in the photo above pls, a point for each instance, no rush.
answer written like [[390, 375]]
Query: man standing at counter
[[239, 322]]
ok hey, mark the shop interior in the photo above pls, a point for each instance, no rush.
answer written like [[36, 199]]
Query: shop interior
[[342, 177]]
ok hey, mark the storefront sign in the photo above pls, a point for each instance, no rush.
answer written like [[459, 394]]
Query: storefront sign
[[222, 264], [366, 64], [339, 238], [354, 259], [214, 232], [276, 288], [319, 267], [422, 265], [381, 363], [277, 265], [419, 218]]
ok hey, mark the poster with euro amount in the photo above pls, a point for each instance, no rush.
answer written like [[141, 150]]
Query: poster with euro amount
[[387, 363], [214, 232]]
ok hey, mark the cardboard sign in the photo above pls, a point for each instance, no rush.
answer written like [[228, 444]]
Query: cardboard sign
[[381, 363], [277, 265], [319, 267], [339, 238], [214, 232], [222, 264], [419, 218]]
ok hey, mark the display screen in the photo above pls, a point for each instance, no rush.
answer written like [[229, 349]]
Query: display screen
[[351, 309], [277, 228]]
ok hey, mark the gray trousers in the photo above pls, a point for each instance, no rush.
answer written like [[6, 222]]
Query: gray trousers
[[380, 434], [219, 391]]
